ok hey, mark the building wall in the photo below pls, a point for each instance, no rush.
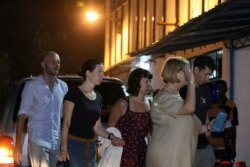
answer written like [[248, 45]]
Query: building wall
[[242, 100], [155, 68]]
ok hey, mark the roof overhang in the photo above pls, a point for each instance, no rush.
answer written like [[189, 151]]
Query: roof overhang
[[228, 22]]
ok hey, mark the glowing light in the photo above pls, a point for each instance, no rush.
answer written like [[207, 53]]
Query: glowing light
[[6, 156], [92, 16]]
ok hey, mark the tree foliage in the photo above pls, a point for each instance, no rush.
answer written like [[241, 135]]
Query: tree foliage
[[5, 84]]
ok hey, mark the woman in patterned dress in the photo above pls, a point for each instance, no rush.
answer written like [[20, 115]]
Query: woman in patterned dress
[[131, 116]]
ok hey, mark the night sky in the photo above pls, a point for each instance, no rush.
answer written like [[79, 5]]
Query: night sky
[[30, 27]]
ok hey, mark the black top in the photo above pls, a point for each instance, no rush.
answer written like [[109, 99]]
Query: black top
[[85, 113], [203, 102], [202, 105]]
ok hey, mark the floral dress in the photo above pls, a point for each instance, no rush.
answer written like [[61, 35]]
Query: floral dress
[[134, 127]]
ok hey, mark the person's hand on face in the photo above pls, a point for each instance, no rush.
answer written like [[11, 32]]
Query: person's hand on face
[[189, 75]]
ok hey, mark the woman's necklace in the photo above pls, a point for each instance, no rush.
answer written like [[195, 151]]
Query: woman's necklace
[[90, 95]]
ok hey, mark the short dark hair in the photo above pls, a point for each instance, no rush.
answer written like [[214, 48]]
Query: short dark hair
[[135, 78], [89, 65], [221, 85], [204, 61]]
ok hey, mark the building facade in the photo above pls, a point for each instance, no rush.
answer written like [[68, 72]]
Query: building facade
[[136, 24]]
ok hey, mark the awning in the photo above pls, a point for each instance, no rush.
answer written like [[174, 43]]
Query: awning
[[229, 21]]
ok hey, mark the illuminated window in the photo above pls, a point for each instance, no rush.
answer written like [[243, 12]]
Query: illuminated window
[[217, 56]]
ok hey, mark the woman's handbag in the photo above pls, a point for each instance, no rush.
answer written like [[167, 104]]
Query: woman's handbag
[[62, 164]]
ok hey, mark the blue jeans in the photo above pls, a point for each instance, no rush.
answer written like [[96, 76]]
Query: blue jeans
[[82, 154], [41, 156]]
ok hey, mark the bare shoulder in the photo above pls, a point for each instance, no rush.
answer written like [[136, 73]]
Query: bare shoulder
[[121, 103], [118, 109]]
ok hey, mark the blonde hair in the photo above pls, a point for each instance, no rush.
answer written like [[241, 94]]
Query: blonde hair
[[172, 66]]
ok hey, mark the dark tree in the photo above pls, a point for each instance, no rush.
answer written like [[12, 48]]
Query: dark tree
[[5, 84]]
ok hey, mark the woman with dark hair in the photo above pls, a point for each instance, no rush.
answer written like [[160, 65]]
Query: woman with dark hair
[[131, 116], [81, 121]]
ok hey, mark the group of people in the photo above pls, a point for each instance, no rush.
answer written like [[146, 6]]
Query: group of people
[[171, 130], [46, 100]]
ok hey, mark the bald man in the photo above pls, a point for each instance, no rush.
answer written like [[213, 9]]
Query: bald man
[[41, 104]]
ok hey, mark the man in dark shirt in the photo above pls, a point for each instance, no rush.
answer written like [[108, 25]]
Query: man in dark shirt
[[203, 68]]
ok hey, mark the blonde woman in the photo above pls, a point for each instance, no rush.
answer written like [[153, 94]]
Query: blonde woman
[[175, 126]]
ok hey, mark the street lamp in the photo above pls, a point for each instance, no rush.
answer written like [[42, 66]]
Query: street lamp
[[92, 16]]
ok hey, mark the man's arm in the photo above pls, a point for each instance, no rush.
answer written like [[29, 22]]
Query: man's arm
[[19, 138]]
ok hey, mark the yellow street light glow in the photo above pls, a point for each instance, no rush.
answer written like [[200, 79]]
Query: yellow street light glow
[[92, 16]]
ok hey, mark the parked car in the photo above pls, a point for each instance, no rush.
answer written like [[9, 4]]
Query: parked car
[[111, 90]]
